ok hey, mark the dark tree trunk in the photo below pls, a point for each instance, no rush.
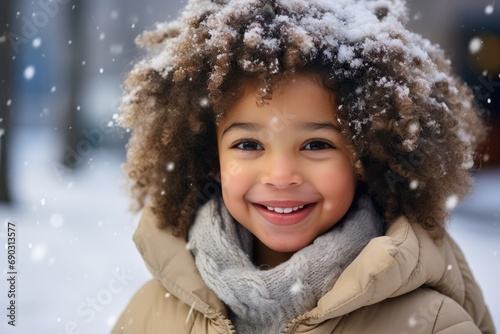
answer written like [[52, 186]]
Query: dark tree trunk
[[72, 125], [5, 92]]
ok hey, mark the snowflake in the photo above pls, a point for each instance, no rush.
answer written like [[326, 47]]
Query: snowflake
[[56, 220], [204, 102], [412, 321], [38, 253], [29, 72], [475, 45], [296, 287], [451, 202], [36, 42]]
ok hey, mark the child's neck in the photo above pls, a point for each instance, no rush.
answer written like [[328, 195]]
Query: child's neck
[[266, 257]]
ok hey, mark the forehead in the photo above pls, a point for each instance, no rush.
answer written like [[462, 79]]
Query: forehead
[[299, 106], [302, 93]]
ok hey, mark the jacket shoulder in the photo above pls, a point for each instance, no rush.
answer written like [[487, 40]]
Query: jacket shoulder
[[423, 310], [154, 310]]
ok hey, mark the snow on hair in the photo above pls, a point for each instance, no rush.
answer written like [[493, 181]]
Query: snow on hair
[[412, 124]]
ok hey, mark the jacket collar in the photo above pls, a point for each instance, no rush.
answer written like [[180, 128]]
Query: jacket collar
[[392, 265], [399, 262], [170, 262]]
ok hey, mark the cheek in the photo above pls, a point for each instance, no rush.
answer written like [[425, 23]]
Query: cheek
[[229, 170], [235, 188], [337, 186], [234, 180]]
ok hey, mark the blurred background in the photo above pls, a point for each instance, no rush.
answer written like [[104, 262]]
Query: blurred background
[[61, 67]]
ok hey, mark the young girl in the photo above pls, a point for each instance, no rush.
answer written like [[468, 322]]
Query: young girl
[[296, 161]]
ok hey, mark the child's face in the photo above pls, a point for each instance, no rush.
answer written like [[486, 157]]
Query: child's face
[[285, 156]]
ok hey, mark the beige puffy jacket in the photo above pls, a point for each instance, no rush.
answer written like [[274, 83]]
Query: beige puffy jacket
[[400, 283]]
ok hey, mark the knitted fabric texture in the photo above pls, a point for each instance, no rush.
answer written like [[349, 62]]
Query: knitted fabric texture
[[265, 301]]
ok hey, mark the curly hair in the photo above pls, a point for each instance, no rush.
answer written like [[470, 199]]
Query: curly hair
[[413, 125]]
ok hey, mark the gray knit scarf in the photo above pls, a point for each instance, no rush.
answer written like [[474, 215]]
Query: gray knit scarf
[[265, 301]]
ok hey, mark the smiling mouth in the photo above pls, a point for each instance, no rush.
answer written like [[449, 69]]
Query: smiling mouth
[[285, 210], [286, 214]]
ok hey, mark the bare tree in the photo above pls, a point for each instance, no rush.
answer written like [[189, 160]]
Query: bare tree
[[5, 73], [72, 123]]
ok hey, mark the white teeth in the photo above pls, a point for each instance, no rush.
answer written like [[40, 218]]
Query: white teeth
[[284, 210]]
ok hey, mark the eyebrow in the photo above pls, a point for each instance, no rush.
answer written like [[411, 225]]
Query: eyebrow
[[309, 126], [313, 126], [253, 127]]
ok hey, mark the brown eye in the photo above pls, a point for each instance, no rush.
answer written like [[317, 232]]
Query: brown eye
[[248, 146], [317, 145]]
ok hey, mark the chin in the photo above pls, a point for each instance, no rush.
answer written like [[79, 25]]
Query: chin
[[288, 247]]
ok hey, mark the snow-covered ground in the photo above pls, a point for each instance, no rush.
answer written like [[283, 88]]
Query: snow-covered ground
[[77, 266]]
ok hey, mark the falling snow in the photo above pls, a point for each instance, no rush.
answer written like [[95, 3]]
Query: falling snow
[[36, 42], [204, 102], [111, 321], [296, 288], [56, 220], [29, 72], [475, 45], [414, 185], [38, 252], [41, 253], [451, 202]]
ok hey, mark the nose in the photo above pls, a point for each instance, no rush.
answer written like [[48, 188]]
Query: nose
[[281, 172]]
